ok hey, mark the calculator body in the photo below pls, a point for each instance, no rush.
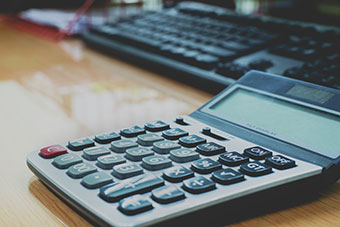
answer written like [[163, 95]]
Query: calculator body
[[209, 122]]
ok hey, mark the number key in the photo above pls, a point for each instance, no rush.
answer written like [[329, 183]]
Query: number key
[[80, 170], [156, 162], [126, 170], [66, 160]]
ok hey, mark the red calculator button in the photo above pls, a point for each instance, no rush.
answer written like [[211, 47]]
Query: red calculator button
[[52, 151]]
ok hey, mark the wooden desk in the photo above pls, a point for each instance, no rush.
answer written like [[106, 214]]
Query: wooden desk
[[51, 92]]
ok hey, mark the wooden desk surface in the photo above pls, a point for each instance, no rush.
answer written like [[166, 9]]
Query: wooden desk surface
[[51, 92]]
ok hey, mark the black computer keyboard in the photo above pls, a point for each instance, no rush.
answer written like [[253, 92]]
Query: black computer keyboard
[[209, 47]]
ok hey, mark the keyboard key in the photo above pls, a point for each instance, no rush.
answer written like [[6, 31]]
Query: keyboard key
[[108, 161], [80, 144], [134, 205], [121, 146], [138, 153], [174, 133], [80, 170], [167, 194], [132, 132], [107, 137], [52, 151], [117, 191], [66, 160], [255, 169], [183, 155], [191, 141], [280, 162], [198, 185], [227, 176], [156, 162], [205, 165], [257, 153], [210, 148], [156, 126], [232, 159], [177, 174], [93, 153], [148, 139], [126, 170], [96, 180], [164, 147]]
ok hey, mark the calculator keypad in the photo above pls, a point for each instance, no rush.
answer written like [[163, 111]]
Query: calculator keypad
[[126, 170], [66, 160], [164, 147], [80, 170], [183, 155], [136, 154], [108, 161], [120, 146], [156, 162]]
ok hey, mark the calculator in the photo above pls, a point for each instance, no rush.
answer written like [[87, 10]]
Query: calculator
[[262, 132]]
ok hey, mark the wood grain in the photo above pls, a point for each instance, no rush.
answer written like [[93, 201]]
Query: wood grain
[[52, 92]]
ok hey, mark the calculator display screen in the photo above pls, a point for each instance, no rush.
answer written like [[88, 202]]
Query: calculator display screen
[[304, 126]]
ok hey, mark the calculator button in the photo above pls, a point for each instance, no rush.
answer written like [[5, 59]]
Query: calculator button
[[96, 180], [156, 126], [80, 170], [107, 137], [167, 194], [227, 176], [183, 155], [52, 151], [164, 147], [280, 162], [198, 185], [126, 170], [210, 148], [174, 133], [232, 159], [156, 162], [66, 160], [134, 205], [191, 141], [177, 174], [205, 165], [138, 153], [108, 161], [255, 169], [121, 146], [257, 153], [132, 132], [116, 191], [93, 153], [148, 139], [80, 144]]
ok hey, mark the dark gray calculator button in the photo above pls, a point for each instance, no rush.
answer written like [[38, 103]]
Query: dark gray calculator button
[[156, 162], [280, 162], [126, 170], [80, 144], [132, 132], [210, 148], [191, 141], [66, 160], [257, 153], [232, 159], [205, 165], [255, 169], [108, 161], [177, 174], [183, 155], [148, 139], [96, 180], [134, 205], [93, 153], [174, 133], [198, 185], [139, 184], [167, 194], [120, 146], [227, 176], [138, 153], [107, 137], [156, 126], [164, 147], [80, 170]]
